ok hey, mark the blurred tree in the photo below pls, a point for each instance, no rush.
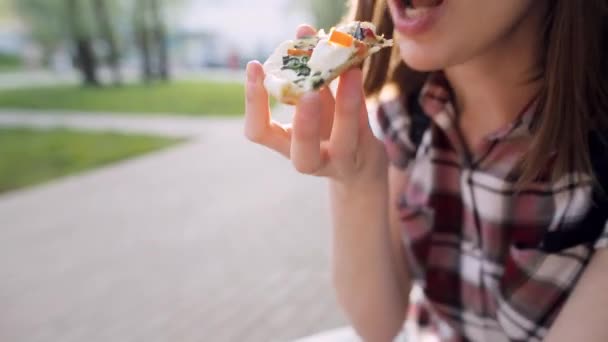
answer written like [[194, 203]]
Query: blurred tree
[[84, 23], [327, 13], [45, 21], [107, 32], [142, 38], [83, 43], [53, 22], [151, 37], [160, 40]]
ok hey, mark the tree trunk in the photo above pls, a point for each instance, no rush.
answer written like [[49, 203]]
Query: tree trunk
[[84, 54], [105, 26], [160, 38], [142, 38], [86, 61]]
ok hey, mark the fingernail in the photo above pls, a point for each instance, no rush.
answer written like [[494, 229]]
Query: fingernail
[[252, 75], [305, 30]]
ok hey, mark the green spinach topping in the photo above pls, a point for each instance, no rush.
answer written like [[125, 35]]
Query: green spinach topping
[[297, 64], [317, 82]]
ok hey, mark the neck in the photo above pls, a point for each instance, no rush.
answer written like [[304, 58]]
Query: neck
[[491, 90]]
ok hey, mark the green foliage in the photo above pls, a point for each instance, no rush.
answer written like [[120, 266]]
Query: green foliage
[[30, 157], [48, 20], [5, 9], [9, 62], [45, 19], [198, 98], [327, 13]]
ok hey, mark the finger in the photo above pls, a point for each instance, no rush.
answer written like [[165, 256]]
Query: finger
[[328, 105], [347, 120], [305, 30], [306, 135], [257, 108], [259, 127], [327, 99], [279, 139]]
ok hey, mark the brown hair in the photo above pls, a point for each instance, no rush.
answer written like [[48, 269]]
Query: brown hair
[[574, 97]]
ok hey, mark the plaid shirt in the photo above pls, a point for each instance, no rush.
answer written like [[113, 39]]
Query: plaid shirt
[[493, 264]]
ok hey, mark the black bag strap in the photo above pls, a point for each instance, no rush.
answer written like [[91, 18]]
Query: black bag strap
[[420, 122], [592, 226], [598, 148]]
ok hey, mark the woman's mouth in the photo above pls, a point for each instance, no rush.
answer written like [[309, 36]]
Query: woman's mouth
[[415, 16], [418, 8]]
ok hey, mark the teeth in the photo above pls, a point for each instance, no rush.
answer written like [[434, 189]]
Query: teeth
[[422, 3], [416, 12]]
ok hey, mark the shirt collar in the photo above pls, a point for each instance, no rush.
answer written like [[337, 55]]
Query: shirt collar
[[436, 99]]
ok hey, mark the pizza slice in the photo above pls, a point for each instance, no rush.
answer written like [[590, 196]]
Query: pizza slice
[[309, 63]]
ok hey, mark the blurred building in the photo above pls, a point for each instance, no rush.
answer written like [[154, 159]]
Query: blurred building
[[13, 38]]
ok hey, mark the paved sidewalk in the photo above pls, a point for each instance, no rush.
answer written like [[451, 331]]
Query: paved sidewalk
[[166, 125], [36, 78], [44, 77], [213, 240]]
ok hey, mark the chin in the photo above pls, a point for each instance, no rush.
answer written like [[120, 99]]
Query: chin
[[423, 59]]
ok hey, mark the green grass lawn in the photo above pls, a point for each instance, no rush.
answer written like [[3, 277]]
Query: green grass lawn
[[29, 157], [193, 98], [9, 62]]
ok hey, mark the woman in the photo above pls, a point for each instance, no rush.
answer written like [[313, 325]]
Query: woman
[[487, 189]]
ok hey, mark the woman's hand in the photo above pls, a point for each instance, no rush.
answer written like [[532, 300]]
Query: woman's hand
[[328, 137], [332, 138]]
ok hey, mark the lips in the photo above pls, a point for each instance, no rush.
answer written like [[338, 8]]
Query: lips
[[417, 8], [413, 17]]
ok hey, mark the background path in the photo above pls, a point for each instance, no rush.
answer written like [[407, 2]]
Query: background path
[[213, 240]]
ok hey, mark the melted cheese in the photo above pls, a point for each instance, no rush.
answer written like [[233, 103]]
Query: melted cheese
[[327, 57], [277, 80]]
